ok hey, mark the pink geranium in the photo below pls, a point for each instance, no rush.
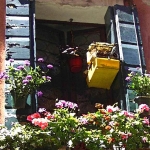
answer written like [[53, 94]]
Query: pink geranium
[[49, 116], [146, 120], [143, 107], [33, 116], [41, 122], [124, 136], [109, 108]]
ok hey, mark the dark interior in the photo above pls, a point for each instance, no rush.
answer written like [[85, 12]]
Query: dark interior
[[51, 37]]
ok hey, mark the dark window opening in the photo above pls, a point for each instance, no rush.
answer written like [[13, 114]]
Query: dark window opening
[[65, 84]]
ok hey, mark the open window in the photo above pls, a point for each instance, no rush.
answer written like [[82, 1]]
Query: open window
[[116, 24], [56, 30], [67, 84]]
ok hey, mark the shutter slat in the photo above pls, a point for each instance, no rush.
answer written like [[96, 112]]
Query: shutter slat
[[124, 13], [17, 21], [18, 2], [17, 11], [17, 32], [17, 7], [17, 26], [131, 54], [18, 53], [127, 33]]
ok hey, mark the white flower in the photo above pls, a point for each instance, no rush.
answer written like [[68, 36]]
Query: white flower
[[70, 143]]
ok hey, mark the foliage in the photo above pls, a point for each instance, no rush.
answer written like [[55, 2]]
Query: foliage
[[24, 137], [24, 79], [62, 123], [139, 82], [97, 131], [121, 127]]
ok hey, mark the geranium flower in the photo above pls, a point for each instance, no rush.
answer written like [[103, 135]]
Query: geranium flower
[[33, 116], [59, 105], [124, 112], [109, 108], [83, 120], [127, 78], [124, 136], [27, 63], [65, 103], [41, 110], [29, 77], [144, 139], [39, 93], [41, 122], [48, 78], [143, 107], [50, 116], [11, 60], [40, 60], [127, 114], [72, 105], [145, 121], [50, 66], [25, 81], [20, 67]]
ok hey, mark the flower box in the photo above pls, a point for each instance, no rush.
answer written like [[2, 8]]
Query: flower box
[[102, 72], [143, 100]]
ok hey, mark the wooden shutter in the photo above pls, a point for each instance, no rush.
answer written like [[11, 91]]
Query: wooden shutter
[[128, 35], [110, 25], [122, 27], [20, 46]]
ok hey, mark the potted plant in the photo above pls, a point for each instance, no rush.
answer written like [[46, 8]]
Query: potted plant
[[62, 124], [27, 137], [108, 128], [140, 84], [23, 80], [69, 129], [120, 129], [74, 56]]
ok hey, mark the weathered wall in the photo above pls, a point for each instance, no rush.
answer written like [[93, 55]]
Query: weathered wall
[[86, 11], [84, 2], [143, 7], [2, 59]]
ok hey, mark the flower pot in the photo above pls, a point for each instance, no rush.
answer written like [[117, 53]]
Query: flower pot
[[142, 100], [102, 72], [75, 64], [18, 101]]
